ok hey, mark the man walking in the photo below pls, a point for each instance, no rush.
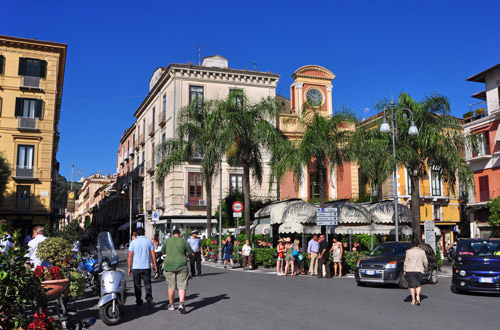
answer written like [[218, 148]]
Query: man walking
[[33, 247], [195, 259], [176, 273], [246, 251], [141, 252], [323, 257], [312, 254]]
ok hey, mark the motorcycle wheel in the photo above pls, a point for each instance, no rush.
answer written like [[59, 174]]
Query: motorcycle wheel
[[107, 316]]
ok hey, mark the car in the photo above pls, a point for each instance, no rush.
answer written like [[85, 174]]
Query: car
[[476, 266], [384, 265]]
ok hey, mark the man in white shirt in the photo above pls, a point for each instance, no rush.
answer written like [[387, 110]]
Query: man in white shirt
[[246, 250], [5, 242], [33, 247]]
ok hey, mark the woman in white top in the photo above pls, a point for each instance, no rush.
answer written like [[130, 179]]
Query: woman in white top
[[246, 250], [337, 252]]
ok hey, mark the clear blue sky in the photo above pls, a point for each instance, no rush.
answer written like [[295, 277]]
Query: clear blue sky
[[375, 48]]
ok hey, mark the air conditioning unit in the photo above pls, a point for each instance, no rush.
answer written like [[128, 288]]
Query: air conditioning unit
[[202, 202]]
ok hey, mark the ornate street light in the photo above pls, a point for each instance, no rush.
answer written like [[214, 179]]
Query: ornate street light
[[386, 128]]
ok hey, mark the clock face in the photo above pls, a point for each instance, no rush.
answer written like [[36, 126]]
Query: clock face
[[314, 97]]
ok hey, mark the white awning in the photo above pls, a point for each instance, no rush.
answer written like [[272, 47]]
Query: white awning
[[372, 229], [298, 228], [383, 212], [301, 212], [260, 228]]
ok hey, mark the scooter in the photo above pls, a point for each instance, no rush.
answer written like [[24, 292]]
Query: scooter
[[160, 260], [89, 266], [113, 286]]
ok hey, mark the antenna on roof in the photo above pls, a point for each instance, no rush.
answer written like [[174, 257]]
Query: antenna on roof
[[199, 55], [255, 66]]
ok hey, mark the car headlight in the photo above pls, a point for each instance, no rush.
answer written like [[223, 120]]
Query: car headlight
[[391, 265], [462, 273]]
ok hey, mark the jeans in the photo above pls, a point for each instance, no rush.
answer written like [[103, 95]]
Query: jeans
[[145, 275], [195, 260]]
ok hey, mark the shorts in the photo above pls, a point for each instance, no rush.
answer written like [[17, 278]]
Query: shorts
[[177, 280], [228, 256], [289, 258], [414, 279]]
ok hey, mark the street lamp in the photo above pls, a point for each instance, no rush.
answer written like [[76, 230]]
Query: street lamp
[[126, 188], [386, 128], [219, 254]]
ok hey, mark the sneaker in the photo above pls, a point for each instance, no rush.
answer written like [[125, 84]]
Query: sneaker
[[181, 308], [171, 307]]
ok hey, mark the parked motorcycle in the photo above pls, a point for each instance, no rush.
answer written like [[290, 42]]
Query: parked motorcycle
[[113, 286], [160, 260], [89, 266]]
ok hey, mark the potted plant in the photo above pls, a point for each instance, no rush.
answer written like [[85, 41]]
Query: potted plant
[[479, 112], [468, 116], [58, 252]]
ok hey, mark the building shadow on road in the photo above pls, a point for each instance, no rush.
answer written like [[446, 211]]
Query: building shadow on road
[[205, 302]]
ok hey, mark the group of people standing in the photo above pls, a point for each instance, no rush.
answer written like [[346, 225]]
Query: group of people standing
[[318, 254]]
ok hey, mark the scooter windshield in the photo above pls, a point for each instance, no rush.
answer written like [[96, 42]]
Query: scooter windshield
[[106, 248]]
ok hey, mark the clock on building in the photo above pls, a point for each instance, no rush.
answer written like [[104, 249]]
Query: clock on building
[[314, 97]]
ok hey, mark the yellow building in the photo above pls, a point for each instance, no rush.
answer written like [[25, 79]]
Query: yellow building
[[31, 83], [437, 202]]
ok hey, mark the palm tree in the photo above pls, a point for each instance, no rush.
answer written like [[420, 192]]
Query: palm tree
[[197, 139], [247, 130], [439, 144], [373, 152], [322, 147]]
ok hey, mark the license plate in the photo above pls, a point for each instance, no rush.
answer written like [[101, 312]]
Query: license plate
[[369, 272], [486, 280]]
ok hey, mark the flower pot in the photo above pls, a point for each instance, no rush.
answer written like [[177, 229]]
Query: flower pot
[[55, 287]]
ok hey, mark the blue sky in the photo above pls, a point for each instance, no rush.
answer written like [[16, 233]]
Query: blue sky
[[375, 48]]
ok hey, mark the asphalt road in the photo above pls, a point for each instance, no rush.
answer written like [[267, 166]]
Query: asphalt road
[[237, 299]]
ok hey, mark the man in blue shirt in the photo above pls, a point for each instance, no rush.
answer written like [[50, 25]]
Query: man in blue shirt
[[141, 254], [312, 253], [195, 259]]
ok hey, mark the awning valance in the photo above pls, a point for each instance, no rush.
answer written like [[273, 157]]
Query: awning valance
[[383, 212], [260, 229], [298, 228], [192, 221], [374, 229]]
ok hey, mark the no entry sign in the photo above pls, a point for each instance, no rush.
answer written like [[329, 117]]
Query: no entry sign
[[237, 206]]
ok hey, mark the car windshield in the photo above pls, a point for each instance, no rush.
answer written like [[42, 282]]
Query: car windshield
[[480, 248], [397, 250]]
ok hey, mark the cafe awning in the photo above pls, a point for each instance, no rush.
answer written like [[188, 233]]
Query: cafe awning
[[383, 212], [260, 228], [301, 212], [374, 229], [298, 228], [351, 213]]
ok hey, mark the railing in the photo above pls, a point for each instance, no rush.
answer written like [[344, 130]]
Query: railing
[[140, 140], [151, 130], [131, 152], [27, 123], [162, 119], [23, 203], [125, 155], [30, 82], [25, 172], [159, 203]]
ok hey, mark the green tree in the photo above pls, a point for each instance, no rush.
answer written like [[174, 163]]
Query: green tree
[[4, 174], [198, 140], [322, 147], [494, 218], [439, 145], [247, 130], [373, 152]]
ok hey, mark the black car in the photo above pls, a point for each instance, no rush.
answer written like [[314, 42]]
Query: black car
[[476, 266], [384, 265]]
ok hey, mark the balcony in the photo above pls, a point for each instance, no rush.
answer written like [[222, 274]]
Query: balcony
[[196, 202], [151, 130], [290, 124], [27, 124], [125, 155], [120, 159], [23, 204], [162, 119], [25, 173], [149, 168], [131, 152], [159, 204], [140, 141], [30, 82]]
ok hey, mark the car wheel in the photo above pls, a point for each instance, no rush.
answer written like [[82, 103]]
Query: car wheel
[[433, 278], [454, 289], [403, 282]]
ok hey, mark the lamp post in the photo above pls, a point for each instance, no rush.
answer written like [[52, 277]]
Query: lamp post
[[386, 128], [128, 189], [219, 254]]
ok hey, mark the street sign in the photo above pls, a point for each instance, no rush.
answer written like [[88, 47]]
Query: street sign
[[237, 214], [237, 206], [430, 234], [155, 216], [327, 216]]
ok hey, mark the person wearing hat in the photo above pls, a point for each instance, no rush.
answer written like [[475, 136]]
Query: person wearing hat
[[281, 257], [195, 258], [289, 258]]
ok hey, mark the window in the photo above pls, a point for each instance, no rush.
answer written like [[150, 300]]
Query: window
[[314, 185], [196, 94], [32, 67], [484, 188], [2, 61], [483, 147], [236, 183], [436, 182], [25, 155], [237, 94], [133, 141], [437, 212], [153, 121], [29, 108], [195, 188], [23, 197], [164, 108], [163, 138]]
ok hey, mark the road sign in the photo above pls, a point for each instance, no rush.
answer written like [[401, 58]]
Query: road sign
[[155, 216], [237, 206], [327, 216], [237, 214], [430, 234]]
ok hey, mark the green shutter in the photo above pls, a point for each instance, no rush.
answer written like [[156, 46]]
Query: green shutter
[[22, 67], [2, 61], [19, 106], [43, 69], [38, 109]]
